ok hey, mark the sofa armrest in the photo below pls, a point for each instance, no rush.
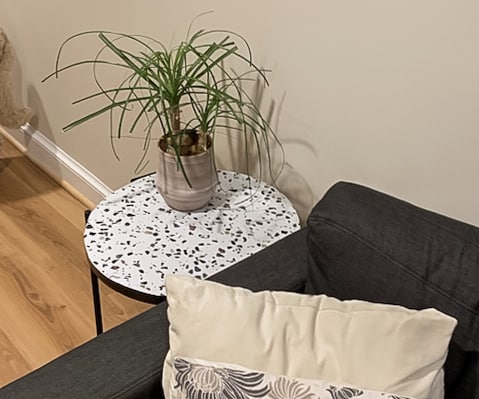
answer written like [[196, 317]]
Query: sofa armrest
[[280, 267], [127, 361], [368, 245]]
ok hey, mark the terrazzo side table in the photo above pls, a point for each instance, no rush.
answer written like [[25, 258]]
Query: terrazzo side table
[[133, 239]]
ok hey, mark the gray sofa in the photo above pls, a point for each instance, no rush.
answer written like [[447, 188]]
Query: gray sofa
[[358, 243]]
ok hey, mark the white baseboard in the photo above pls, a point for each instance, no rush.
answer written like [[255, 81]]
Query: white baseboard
[[57, 163]]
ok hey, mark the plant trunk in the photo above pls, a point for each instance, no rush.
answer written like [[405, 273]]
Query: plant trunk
[[184, 141], [202, 141], [175, 139], [175, 118]]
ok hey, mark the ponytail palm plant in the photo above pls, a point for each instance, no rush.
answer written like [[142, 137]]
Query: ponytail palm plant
[[190, 91]]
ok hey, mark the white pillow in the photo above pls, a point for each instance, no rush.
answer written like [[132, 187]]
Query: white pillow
[[373, 346]]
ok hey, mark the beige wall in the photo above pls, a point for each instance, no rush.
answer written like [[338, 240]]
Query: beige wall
[[385, 93]]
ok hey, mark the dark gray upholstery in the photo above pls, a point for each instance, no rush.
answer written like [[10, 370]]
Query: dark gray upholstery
[[367, 245], [358, 243]]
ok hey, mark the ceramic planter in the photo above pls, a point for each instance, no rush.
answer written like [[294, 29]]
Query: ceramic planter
[[173, 186]]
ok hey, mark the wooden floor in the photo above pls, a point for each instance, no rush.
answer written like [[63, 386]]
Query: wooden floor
[[45, 294]]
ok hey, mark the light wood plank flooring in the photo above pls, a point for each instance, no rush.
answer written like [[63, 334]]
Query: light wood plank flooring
[[45, 294]]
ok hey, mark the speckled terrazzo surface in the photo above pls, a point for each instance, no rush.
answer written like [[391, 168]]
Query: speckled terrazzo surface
[[133, 238]]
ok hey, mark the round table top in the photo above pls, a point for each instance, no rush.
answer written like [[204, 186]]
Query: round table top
[[134, 239]]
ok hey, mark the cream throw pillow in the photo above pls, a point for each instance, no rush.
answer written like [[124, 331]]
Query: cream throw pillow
[[372, 346]]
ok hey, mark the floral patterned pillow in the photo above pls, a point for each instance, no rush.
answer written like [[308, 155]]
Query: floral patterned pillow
[[200, 379]]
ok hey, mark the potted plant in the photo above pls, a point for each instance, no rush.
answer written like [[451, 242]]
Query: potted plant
[[189, 91]]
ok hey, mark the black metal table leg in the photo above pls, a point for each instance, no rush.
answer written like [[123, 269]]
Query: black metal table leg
[[96, 302], [95, 291]]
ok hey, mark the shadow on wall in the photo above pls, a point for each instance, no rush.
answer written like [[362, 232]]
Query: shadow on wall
[[39, 120], [245, 158], [36, 137]]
